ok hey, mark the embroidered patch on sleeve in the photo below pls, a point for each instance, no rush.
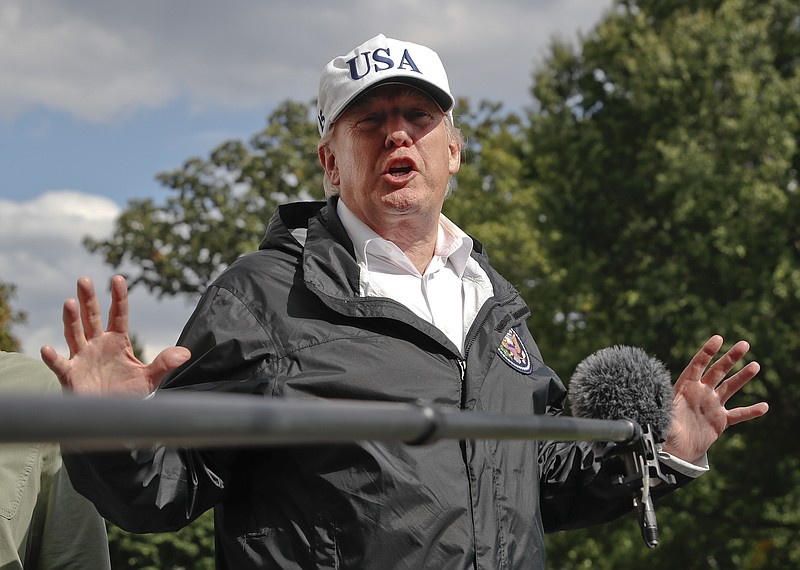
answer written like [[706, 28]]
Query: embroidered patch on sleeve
[[514, 352]]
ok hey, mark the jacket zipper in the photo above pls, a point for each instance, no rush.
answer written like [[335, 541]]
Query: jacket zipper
[[462, 365]]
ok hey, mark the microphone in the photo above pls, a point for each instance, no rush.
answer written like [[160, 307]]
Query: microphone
[[623, 382]]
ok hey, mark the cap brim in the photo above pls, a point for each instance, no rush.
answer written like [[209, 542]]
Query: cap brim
[[442, 98]]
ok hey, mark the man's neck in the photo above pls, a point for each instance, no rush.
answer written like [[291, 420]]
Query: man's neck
[[416, 238], [418, 244], [414, 235]]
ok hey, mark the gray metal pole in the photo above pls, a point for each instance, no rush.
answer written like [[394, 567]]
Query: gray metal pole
[[225, 420]]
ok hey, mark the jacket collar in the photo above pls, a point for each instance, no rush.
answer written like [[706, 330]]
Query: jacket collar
[[328, 258]]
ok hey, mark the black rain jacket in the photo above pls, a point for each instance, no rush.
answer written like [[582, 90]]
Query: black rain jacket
[[288, 322]]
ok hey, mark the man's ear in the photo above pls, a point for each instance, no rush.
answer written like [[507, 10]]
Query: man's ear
[[455, 157], [328, 161]]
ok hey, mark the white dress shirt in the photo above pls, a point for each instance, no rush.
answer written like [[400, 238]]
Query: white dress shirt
[[448, 294]]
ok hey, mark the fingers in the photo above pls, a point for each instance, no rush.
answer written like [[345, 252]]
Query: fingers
[[738, 415], [714, 377], [721, 367], [55, 362], [73, 329], [83, 320], [700, 361], [118, 313], [168, 359], [91, 318], [733, 384], [699, 369]]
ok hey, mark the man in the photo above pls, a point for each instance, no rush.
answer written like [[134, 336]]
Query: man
[[44, 523], [373, 295]]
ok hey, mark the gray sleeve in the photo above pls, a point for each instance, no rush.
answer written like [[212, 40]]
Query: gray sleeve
[[74, 535], [44, 523]]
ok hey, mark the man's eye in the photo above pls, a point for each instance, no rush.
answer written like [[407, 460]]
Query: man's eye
[[419, 116], [369, 120]]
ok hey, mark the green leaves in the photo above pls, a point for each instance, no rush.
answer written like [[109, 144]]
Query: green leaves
[[191, 548], [8, 318], [217, 208], [666, 156]]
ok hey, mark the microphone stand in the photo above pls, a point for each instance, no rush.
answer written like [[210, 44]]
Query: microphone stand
[[105, 423], [642, 472]]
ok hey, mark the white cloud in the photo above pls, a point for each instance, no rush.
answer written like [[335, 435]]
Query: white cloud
[[59, 60], [41, 252], [101, 61]]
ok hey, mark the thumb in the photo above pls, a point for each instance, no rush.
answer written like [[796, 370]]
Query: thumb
[[168, 359]]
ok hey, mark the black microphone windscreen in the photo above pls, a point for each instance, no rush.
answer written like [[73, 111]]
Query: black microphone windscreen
[[623, 382]]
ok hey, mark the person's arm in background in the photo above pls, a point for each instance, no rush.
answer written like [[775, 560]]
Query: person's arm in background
[[44, 523], [70, 534]]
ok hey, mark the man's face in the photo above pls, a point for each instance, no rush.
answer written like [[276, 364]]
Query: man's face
[[391, 156]]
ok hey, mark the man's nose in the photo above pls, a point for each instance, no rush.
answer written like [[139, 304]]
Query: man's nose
[[398, 132]]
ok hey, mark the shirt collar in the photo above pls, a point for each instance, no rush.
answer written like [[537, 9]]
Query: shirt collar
[[453, 245]]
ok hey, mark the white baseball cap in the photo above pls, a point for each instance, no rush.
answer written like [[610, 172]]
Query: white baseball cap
[[378, 61]]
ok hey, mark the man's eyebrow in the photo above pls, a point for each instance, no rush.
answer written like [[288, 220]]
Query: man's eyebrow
[[363, 102], [370, 98]]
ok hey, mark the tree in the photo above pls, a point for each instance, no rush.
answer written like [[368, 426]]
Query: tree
[[191, 548], [219, 208], [665, 160], [492, 197], [9, 317]]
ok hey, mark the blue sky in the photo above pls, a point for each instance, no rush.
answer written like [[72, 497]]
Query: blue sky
[[45, 149], [98, 96]]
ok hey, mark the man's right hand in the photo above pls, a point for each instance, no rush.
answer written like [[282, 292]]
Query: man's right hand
[[102, 361]]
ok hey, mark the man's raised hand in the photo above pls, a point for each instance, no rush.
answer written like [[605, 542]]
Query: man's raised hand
[[102, 361], [701, 392]]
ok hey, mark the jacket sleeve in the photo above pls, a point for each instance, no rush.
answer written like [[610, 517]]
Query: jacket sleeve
[[158, 489], [73, 535], [162, 489], [577, 490]]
